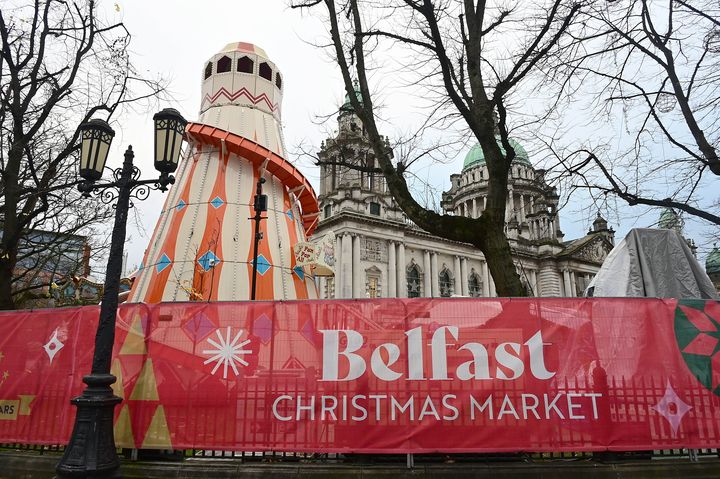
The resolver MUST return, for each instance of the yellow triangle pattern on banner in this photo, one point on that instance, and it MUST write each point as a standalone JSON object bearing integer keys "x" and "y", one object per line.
{"x": 118, "y": 386}
{"x": 135, "y": 340}
{"x": 123, "y": 429}
{"x": 146, "y": 386}
{"x": 158, "y": 434}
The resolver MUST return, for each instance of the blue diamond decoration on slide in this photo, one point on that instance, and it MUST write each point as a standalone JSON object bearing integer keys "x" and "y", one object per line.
{"x": 181, "y": 204}
{"x": 290, "y": 215}
{"x": 300, "y": 272}
{"x": 262, "y": 265}
{"x": 217, "y": 202}
{"x": 164, "y": 262}
{"x": 208, "y": 260}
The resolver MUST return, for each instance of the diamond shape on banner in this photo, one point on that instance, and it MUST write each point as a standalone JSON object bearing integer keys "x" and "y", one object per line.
{"x": 308, "y": 332}
{"x": 198, "y": 327}
{"x": 300, "y": 272}
{"x": 290, "y": 215}
{"x": 164, "y": 262}
{"x": 262, "y": 328}
{"x": 217, "y": 202}
{"x": 208, "y": 260}
{"x": 181, "y": 204}
{"x": 263, "y": 265}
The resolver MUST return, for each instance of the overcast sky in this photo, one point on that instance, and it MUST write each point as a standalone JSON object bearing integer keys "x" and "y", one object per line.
{"x": 173, "y": 39}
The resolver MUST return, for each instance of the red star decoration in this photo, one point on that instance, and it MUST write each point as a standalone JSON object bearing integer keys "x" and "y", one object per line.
{"x": 707, "y": 342}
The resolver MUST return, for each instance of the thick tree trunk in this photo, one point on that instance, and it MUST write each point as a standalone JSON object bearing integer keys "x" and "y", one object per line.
{"x": 7, "y": 266}
{"x": 495, "y": 247}
{"x": 10, "y": 226}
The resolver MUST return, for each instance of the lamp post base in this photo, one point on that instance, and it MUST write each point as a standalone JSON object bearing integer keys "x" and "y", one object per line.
{"x": 91, "y": 452}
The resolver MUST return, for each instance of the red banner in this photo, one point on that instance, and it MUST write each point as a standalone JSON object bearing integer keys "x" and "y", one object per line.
{"x": 419, "y": 375}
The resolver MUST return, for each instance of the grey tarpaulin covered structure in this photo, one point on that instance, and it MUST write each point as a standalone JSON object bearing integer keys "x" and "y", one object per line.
{"x": 653, "y": 263}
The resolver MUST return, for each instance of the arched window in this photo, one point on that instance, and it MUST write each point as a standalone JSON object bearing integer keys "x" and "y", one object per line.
{"x": 446, "y": 283}
{"x": 474, "y": 284}
{"x": 265, "y": 71}
{"x": 245, "y": 65}
{"x": 223, "y": 65}
{"x": 413, "y": 281}
{"x": 208, "y": 70}
{"x": 372, "y": 282}
{"x": 278, "y": 81}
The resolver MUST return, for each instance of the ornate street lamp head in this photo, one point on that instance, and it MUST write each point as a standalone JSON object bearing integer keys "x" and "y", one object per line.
{"x": 95, "y": 139}
{"x": 169, "y": 131}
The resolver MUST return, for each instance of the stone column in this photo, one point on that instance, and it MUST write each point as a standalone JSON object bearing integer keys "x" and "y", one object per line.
{"x": 458, "y": 275}
{"x": 533, "y": 282}
{"x": 493, "y": 292}
{"x": 427, "y": 276}
{"x": 522, "y": 208}
{"x": 511, "y": 197}
{"x": 357, "y": 279}
{"x": 573, "y": 283}
{"x": 566, "y": 283}
{"x": 475, "y": 211}
{"x": 486, "y": 280}
{"x": 339, "y": 266}
{"x": 401, "y": 276}
{"x": 392, "y": 271}
{"x": 435, "y": 275}
{"x": 464, "y": 277}
{"x": 347, "y": 273}
{"x": 484, "y": 203}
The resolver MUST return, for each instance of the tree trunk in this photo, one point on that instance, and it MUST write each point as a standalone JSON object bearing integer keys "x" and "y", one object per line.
{"x": 7, "y": 265}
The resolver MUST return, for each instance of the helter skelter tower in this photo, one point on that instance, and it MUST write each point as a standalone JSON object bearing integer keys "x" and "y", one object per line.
{"x": 202, "y": 247}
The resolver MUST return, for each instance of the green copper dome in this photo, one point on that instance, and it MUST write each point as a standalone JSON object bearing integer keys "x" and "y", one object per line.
{"x": 476, "y": 157}
{"x": 670, "y": 220}
{"x": 347, "y": 106}
{"x": 712, "y": 263}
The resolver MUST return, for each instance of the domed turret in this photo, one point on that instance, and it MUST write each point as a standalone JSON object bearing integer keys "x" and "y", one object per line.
{"x": 600, "y": 223}
{"x": 670, "y": 220}
{"x": 476, "y": 157}
{"x": 346, "y": 106}
{"x": 712, "y": 263}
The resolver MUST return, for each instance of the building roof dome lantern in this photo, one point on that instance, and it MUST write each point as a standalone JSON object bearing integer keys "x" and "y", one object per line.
{"x": 670, "y": 220}
{"x": 476, "y": 157}
{"x": 600, "y": 223}
{"x": 346, "y": 106}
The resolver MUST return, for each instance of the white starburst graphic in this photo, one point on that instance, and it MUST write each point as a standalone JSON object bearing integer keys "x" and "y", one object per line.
{"x": 53, "y": 346}
{"x": 226, "y": 352}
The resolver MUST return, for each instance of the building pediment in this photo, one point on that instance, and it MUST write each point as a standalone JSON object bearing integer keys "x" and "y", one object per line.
{"x": 593, "y": 248}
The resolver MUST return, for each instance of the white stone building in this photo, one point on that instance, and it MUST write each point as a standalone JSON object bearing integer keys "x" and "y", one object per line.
{"x": 380, "y": 253}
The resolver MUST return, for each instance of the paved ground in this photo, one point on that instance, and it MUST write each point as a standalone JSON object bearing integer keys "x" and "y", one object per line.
{"x": 29, "y": 465}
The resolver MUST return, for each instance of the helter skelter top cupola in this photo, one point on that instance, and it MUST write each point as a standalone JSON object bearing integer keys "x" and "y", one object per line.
{"x": 202, "y": 245}
{"x": 242, "y": 92}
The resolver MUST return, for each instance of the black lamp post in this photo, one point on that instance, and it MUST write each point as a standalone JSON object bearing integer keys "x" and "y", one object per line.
{"x": 259, "y": 205}
{"x": 91, "y": 452}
